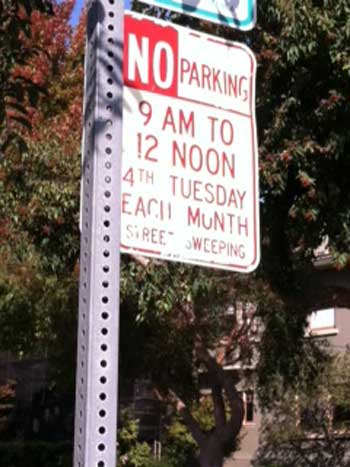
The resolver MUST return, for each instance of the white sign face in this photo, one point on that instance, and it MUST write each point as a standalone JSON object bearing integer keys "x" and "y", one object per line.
{"x": 189, "y": 167}
{"x": 239, "y": 14}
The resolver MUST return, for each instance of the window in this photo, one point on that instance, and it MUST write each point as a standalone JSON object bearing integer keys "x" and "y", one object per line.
{"x": 248, "y": 401}
{"x": 249, "y": 407}
{"x": 341, "y": 417}
{"x": 322, "y": 322}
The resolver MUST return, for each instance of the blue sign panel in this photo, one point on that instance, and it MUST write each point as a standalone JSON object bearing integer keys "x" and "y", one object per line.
{"x": 239, "y": 14}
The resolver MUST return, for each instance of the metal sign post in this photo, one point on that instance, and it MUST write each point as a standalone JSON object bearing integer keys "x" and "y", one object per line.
{"x": 97, "y": 356}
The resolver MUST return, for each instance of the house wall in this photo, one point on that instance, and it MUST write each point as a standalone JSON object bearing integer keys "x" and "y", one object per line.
{"x": 340, "y": 340}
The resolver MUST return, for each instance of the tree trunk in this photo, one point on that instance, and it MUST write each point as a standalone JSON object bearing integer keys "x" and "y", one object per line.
{"x": 211, "y": 453}
{"x": 213, "y": 446}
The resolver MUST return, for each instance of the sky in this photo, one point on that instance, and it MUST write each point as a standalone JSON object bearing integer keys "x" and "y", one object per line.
{"x": 77, "y": 9}
{"x": 76, "y": 12}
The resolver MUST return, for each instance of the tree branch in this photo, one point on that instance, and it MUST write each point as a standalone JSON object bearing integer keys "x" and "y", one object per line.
{"x": 225, "y": 381}
{"x": 195, "y": 430}
{"x": 235, "y": 335}
{"x": 219, "y": 405}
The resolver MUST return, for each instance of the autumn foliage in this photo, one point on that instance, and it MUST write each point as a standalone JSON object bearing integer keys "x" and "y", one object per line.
{"x": 59, "y": 70}
{"x": 39, "y": 182}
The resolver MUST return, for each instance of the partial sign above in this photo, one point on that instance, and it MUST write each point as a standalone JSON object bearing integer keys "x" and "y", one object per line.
{"x": 190, "y": 163}
{"x": 239, "y": 14}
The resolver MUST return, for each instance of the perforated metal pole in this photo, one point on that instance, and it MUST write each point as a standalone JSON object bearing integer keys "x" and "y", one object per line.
{"x": 98, "y": 330}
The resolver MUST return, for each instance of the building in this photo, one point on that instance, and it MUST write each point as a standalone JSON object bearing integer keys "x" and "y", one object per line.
{"x": 332, "y": 324}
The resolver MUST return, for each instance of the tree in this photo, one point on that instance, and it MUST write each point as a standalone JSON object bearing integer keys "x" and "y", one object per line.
{"x": 302, "y": 108}
{"x": 184, "y": 331}
{"x": 16, "y": 90}
{"x": 60, "y": 72}
{"x": 309, "y": 426}
{"x": 39, "y": 207}
{"x": 302, "y": 102}
{"x": 302, "y": 105}
{"x": 39, "y": 246}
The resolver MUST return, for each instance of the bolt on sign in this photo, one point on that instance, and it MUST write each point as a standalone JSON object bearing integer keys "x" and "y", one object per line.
{"x": 238, "y": 14}
{"x": 190, "y": 162}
